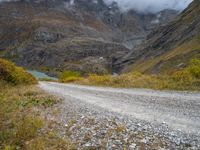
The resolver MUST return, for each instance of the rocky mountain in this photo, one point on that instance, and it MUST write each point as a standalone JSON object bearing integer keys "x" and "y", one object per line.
{"x": 168, "y": 48}
{"x": 82, "y": 35}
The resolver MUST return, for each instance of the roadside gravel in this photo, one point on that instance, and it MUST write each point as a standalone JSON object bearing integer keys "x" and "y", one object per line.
{"x": 107, "y": 118}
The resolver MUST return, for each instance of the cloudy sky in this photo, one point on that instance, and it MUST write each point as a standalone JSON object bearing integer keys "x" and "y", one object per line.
{"x": 151, "y": 5}
{"x": 147, "y": 5}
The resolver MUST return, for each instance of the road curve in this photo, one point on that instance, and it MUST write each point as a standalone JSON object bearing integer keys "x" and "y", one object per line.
{"x": 179, "y": 110}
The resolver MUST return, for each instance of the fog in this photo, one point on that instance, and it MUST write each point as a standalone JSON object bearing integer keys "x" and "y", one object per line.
{"x": 152, "y": 6}
{"x": 146, "y": 6}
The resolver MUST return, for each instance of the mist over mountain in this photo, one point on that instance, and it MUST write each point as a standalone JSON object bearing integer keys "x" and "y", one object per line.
{"x": 142, "y": 6}
{"x": 152, "y": 6}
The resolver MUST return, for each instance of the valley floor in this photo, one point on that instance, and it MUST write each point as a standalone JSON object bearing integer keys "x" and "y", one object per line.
{"x": 99, "y": 117}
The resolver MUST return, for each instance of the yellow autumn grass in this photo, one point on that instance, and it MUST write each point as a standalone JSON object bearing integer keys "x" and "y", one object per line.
{"x": 185, "y": 79}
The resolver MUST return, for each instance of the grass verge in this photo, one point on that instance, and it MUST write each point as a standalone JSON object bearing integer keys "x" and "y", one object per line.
{"x": 185, "y": 79}
{"x": 21, "y": 126}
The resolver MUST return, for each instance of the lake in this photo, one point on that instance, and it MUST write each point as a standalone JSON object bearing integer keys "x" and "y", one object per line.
{"x": 40, "y": 75}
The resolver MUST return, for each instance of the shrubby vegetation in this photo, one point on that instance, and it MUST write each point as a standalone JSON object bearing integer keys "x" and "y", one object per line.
{"x": 14, "y": 75}
{"x": 185, "y": 79}
{"x": 70, "y": 76}
{"x": 194, "y": 68}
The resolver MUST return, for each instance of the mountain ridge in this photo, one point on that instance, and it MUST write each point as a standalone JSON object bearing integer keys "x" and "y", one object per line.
{"x": 169, "y": 47}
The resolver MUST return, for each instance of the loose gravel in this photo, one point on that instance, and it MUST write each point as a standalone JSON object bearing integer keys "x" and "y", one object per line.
{"x": 107, "y": 118}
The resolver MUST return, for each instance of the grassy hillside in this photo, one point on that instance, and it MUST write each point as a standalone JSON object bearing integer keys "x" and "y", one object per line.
{"x": 174, "y": 59}
{"x": 187, "y": 27}
{"x": 183, "y": 43}
{"x": 169, "y": 47}
{"x": 184, "y": 79}
{"x": 12, "y": 74}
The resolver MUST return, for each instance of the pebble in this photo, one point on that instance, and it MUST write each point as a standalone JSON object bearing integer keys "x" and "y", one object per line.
{"x": 144, "y": 141}
{"x": 87, "y": 145}
{"x": 132, "y": 146}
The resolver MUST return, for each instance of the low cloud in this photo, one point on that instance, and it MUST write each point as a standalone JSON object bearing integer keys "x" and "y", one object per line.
{"x": 144, "y": 6}
{"x": 152, "y": 6}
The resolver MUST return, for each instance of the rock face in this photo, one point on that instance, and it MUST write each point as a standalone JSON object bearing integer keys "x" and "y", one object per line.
{"x": 72, "y": 54}
{"x": 80, "y": 35}
{"x": 169, "y": 47}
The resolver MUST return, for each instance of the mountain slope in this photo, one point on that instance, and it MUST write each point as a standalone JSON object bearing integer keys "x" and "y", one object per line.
{"x": 170, "y": 47}
{"x": 86, "y": 36}
{"x": 36, "y": 35}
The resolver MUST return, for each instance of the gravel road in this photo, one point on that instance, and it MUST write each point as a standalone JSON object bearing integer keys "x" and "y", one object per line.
{"x": 178, "y": 111}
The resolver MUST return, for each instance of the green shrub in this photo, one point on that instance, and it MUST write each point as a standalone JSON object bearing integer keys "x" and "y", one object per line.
{"x": 194, "y": 68}
{"x": 188, "y": 77}
{"x": 183, "y": 76}
{"x": 14, "y": 75}
{"x": 70, "y": 76}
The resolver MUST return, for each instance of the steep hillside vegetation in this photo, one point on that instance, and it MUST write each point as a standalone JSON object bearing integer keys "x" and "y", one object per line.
{"x": 9, "y": 73}
{"x": 170, "y": 47}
